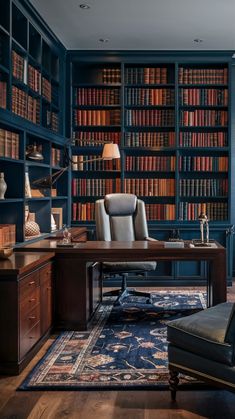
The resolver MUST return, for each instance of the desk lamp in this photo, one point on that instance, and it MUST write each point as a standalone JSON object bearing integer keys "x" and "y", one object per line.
{"x": 110, "y": 151}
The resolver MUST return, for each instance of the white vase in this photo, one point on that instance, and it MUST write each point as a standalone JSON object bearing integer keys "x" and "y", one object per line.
{"x": 3, "y": 186}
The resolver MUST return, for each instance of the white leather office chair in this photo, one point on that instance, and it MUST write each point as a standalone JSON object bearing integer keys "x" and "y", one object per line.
{"x": 121, "y": 217}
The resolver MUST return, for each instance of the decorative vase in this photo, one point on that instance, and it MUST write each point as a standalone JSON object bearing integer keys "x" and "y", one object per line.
{"x": 3, "y": 186}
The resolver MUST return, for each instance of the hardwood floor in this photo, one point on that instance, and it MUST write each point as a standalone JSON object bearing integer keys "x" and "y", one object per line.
{"x": 14, "y": 404}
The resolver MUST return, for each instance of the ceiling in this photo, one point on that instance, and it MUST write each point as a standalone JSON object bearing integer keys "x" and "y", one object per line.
{"x": 141, "y": 24}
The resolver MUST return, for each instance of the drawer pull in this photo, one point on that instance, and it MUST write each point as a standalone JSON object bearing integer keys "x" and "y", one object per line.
{"x": 32, "y": 282}
{"x": 32, "y": 317}
{"x": 31, "y": 337}
{"x": 31, "y": 300}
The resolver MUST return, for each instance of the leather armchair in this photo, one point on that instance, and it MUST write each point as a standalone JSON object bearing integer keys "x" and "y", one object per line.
{"x": 203, "y": 345}
{"x": 121, "y": 217}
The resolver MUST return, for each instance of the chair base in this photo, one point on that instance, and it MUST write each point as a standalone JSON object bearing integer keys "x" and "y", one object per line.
{"x": 123, "y": 294}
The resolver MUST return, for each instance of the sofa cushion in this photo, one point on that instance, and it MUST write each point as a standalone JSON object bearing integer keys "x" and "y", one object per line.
{"x": 230, "y": 331}
{"x": 203, "y": 333}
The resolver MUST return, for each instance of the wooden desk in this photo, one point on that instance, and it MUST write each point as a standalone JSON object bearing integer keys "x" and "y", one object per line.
{"x": 72, "y": 282}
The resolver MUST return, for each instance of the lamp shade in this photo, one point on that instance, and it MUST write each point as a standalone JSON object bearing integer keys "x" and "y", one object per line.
{"x": 110, "y": 151}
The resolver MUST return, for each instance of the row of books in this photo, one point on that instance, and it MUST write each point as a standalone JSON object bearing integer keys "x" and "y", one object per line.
{"x": 96, "y": 97}
{"x": 9, "y": 144}
{"x": 111, "y": 75}
{"x": 25, "y": 105}
{"x": 95, "y": 187}
{"x": 19, "y": 66}
{"x": 203, "y": 187}
{"x": 97, "y": 117}
{"x": 202, "y": 117}
{"x": 150, "y": 163}
{"x": 55, "y": 156}
{"x": 83, "y": 211}
{"x": 146, "y": 75}
{"x": 46, "y": 89}
{"x": 162, "y": 212}
{"x": 150, "y": 187}
{"x": 150, "y": 139}
{"x": 86, "y": 211}
{"x": 215, "y": 211}
{"x": 203, "y": 163}
{"x": 203, "y": 75}
{"x": 204, "y": 97}
{"x": 82, "y": 163}
{"x": 91, "y": 139}
{"x": 203, "y": 139}
{"x": 149, "y": 97}
{"x": 3, "y": 94}
{"x": 34, "y": 79}
{"x": 7, "y": 235}
{"x": 52, "y": 120}
{"x": 153, "y": 117}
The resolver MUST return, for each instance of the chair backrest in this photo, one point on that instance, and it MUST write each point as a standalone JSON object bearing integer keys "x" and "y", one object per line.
{"x": 120, "y": 217}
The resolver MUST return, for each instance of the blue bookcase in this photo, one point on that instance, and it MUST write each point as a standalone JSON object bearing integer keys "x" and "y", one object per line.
{"x": 174, "y": 132}
{"x": 32, "y": 69}
{"x": 170, "y": 112}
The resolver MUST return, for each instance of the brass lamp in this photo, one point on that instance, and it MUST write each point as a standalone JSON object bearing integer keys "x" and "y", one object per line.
{"x": 33, "y": 153}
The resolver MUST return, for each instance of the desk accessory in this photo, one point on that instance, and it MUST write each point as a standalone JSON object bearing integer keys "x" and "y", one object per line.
{"x": 6, "y": 252}
{"x": 174, "y": 245}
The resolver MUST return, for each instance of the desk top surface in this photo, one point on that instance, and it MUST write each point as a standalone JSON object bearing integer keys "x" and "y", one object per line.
{"x": 119, "y": 248}
{"x": 21, "y": 262}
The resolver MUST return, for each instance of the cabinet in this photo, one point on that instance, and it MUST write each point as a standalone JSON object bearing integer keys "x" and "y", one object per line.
{"x": 174, "y": 135}
{"x": 31, "y": 113}
{"x": 26, "y": 308}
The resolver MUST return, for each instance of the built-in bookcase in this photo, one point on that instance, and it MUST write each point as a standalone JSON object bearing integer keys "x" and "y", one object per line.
{"x": 32, "y": 113}
{"x": 173, "y": 123}
{"x": 30, "y": 85}
{"x": 174, "y": 134}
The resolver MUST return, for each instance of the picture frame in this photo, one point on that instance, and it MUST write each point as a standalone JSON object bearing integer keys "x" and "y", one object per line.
{"x": 58, "y": 217}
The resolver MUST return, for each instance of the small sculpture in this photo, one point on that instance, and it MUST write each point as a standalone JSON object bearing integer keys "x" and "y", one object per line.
{"x": 204, "y": 222}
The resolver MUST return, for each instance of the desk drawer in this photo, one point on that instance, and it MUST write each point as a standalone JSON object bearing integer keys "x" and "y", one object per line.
{"x": 31, "y": 300}
{"x": 29, "y": 319}
{"x": 29, "y": 284}
{"x": 29, "y": 340}
{"x": 46, "y": 273}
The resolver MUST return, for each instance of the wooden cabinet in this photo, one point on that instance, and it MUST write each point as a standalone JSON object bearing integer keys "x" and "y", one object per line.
{"x": 26, "y": 308}
{"x": 46, "y": 298}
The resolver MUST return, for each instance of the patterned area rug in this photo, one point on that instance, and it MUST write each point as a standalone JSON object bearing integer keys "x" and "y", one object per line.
{"x": 125, "y": 348}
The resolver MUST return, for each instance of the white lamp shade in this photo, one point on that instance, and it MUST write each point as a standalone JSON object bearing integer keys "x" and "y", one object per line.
{"x": 110, "y": 151}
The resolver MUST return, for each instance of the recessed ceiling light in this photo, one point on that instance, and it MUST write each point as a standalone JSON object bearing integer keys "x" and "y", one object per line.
{"x": 84, "y": 6}
{"x": 103, "y": 40}
{"x": 198, "y": 40}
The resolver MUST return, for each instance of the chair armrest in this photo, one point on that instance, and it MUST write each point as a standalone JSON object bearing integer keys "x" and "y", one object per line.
{"x": 151, "y": 239}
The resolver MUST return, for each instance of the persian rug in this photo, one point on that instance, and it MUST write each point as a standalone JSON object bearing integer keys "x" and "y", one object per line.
{"x": 125, "y": 348}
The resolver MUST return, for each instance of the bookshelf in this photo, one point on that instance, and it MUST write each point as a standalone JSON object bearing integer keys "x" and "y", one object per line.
{"x": 30, "y": 69}
{"x": 96, "y": 111}
{"x": 32, "y": 113}
{"x": 174, "y": 135}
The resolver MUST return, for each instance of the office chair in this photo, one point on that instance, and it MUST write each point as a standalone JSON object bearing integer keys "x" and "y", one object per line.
{"x": 121, "y": 217}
